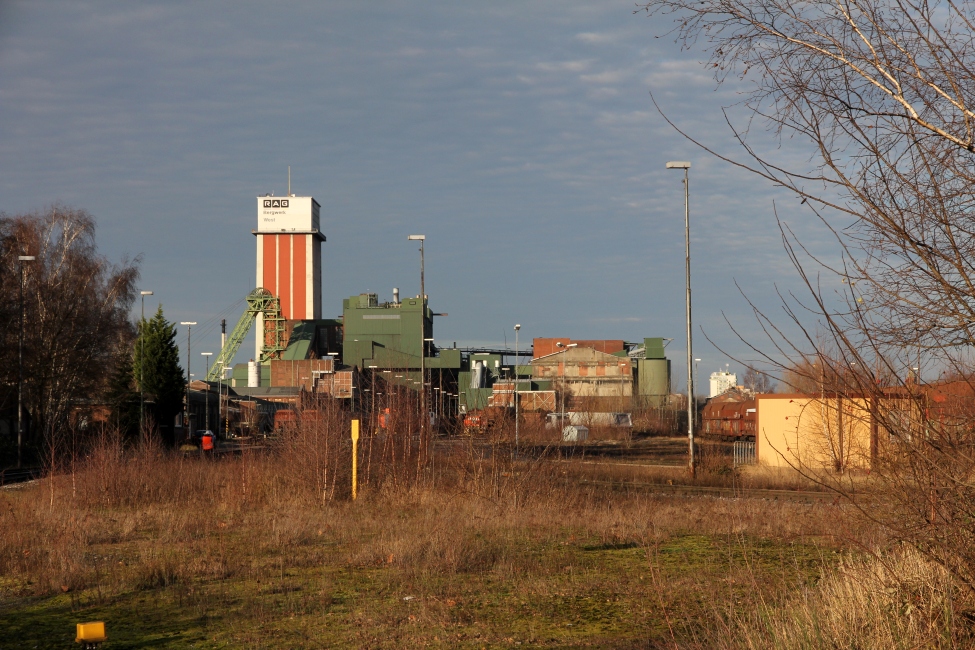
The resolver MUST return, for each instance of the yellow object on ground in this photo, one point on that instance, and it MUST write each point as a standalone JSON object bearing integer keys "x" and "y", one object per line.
{"x": 355, "y": 455}
{"x": 91, "y": 633}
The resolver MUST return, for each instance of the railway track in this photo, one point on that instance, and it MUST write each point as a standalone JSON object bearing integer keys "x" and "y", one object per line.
{"x": 22, "y": 475}
{"x": 806, "y": 496}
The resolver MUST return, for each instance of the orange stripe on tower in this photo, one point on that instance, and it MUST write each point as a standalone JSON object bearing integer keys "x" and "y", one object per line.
{"x": 300, "y": 277}
{"x": 284, "y": 274}
{"x": 270, "y": 268}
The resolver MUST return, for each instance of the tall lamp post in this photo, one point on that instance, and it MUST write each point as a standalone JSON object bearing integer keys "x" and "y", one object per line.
{"x": 208, "y": 355}
{"x": 517, "y": 409}
{"x": 697, "y": 375}
{"x": 186, "y": 421}
{"x": 423, "y": 342}
{"x": 20, "y": 363}
{"x": 687, "y": 270}
{"x": 427, "y": 343}
{"x": 565, "y": 389}
{"x": 372, "y": 396}
{"x": 220, "y": 399}
{"x": 142, "y": 358}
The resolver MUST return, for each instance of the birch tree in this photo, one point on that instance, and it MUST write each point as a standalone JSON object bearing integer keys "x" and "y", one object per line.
{"x": 76, "y": 306}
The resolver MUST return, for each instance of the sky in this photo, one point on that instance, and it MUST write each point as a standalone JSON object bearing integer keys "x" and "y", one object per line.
{"x": 519, "y": 137}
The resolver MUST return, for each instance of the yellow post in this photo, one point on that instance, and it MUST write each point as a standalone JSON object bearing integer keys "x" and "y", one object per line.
{"x": 355, "y": 455}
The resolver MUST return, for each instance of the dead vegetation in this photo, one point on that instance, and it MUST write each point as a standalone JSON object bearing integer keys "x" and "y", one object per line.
{"x": 267, "y": 550}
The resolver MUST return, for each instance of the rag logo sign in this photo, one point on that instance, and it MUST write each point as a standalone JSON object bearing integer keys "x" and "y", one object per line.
{"x": 275, "y": 203}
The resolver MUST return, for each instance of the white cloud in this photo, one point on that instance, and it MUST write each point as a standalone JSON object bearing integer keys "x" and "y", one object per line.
{"x": 516, "y": 137}
{"x": 598, "y": 38}
{"x": 603, "y": 93}
{"x": 631, "y": 118}
{"x": 564, "y": 66}
{"x": 606, "y": 77}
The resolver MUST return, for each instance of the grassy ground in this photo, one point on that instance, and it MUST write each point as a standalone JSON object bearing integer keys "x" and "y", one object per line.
{"x": 579, "y": 594}
{"x": 260, "y": 552}
{"x": 537, "y": 585}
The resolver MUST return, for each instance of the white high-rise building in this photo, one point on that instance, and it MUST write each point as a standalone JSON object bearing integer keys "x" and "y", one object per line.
{"x": 722, "y": 381}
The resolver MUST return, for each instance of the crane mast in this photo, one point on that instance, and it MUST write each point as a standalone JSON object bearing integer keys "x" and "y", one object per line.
{"x": 259, "y": 301}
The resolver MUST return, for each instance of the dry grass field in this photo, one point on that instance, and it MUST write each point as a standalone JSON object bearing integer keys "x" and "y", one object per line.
{"x": 266, "y": 550}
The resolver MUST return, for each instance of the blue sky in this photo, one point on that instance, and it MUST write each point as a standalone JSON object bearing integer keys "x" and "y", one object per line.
{"x": 518, "y": 136}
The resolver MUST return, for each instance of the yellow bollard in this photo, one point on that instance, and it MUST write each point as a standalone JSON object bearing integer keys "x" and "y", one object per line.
{"x": 355, "y": 455}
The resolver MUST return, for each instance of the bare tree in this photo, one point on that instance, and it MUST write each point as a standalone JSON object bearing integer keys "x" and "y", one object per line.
{"x": 757, "y": 381}
{"x": 76, "y": 307}
{"x": 883, "y": 95}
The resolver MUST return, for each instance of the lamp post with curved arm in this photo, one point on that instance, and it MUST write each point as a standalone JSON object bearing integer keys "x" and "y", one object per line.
{"x": 517, "y": 329}
{"x": 687, "y": 269}
{"x": 186, "y": 423}
{"x": 565, "y": 389}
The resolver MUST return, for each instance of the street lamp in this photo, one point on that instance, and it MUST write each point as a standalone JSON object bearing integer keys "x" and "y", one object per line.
{"x": 565, "y": 390}
{"x": 423, "y": 344}
{"x": 687, "y": 269}
{"x": 223, "y": 371}
{"x": 622, "y": 366}
{"x": 208, "y": 355}
{"x": 20, "y": 362}
{"x": 142, "y": 358}
{"x": 189, "y": 328}
{"x": 697, "y": 375}
{"x": 517, "y": 329}
{"x": 372, "y": 397}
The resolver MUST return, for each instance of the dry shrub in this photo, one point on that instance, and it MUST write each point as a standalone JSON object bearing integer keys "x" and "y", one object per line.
{"x": 712, "y": 459}
{"x": 159, "y": 568}
{"x": 659, "y": 422}
{"x": 894, "y": 600}
{"x": 316, "y": 452}
{"x": 144, "y": 519}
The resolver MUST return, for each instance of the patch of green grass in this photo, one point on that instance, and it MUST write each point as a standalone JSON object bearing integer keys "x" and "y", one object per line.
{"x": 563, "y": 591}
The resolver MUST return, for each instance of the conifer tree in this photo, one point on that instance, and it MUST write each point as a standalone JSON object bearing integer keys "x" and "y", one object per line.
{"x": 123, "y": 397}
{"x": 156, "y": 364}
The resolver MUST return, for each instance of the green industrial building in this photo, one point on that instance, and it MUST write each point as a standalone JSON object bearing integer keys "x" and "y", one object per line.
{"x": 387, "y": 336}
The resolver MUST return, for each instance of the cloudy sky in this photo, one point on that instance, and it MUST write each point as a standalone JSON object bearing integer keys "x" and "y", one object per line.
{"x": 518, "y": 136}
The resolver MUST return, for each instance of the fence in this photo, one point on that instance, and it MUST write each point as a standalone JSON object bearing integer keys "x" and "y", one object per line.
{"x": 744, "y": 452}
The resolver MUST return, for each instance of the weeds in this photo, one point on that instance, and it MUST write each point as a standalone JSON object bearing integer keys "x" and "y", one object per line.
{"x": 265, "y": 549}
{"x": 892, "y": 600}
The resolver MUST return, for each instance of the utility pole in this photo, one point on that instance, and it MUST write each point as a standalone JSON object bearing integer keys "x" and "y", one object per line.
{"x": 565, "y": 388}
{"x": 517, "y": 406}
{"x": 223, "y": 368}
{"x": 208, "y": 355}
{"x": 697, "y": 376}
{"x": 424, "y": 425}
{"x": 690, "y": 356}
{"x": 142, "y": 359}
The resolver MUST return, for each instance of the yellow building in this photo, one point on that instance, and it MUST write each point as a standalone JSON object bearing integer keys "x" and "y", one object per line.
{"x": 815, "y": 432}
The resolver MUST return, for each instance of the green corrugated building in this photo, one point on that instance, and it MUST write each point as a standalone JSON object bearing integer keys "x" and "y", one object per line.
{"x": 387, "y": 335}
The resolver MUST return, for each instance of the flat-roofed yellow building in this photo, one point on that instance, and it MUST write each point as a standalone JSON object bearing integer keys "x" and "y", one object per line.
{"x": 815, "y": 431}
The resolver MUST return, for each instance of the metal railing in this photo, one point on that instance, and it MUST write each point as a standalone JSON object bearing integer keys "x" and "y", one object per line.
{"x": 744, "y": 452}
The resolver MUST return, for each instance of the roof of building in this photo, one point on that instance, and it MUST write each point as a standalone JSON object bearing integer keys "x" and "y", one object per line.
{"x": 580, "y": 353}
{"x": 268, "y": 391}
{"x": 302, "y": 337}
{"x": 545, "y": 347}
